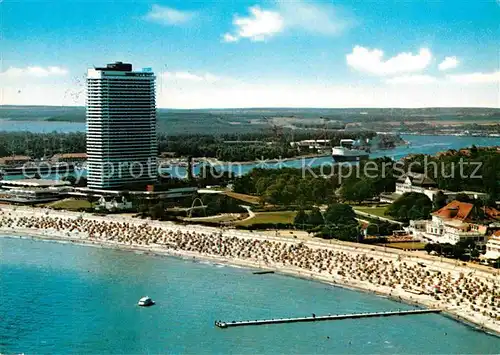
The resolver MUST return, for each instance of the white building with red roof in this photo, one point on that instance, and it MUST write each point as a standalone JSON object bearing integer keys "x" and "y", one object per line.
{"x": 455, "y": 222}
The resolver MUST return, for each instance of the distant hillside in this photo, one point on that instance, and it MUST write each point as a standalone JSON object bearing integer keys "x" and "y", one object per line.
{"x": 208, "y": 121}
{"x": 43, "y": 113}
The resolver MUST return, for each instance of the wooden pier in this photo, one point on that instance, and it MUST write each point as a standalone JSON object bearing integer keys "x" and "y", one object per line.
{"x": 315, "y": 318}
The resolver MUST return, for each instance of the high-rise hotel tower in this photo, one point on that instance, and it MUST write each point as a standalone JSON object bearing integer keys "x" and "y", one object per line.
{"x": 121, "y": 127}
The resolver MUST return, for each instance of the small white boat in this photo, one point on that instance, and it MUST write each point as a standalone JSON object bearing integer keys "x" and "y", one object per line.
{"x": 146, "y": 302}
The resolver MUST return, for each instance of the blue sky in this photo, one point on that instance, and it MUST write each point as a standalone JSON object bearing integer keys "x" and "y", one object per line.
{"x": 258, "y": 53}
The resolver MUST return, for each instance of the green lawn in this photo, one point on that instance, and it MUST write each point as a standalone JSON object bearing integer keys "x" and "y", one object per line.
{"x": 253, "y": 200}
{"x": 377, "y": 211}
{"x": 270, "y": 217}
{"x": 70, "y": 204}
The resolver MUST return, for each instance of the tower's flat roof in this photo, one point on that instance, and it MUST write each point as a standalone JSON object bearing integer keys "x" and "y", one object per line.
{"x": 117, "y": 66}
{"x": 99, "y": 73}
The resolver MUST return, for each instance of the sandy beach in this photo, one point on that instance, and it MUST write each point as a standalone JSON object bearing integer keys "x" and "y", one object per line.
{"x": 470, "y": 295}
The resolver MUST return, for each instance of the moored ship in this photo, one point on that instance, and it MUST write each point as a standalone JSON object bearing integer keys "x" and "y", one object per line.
{"x": 347, "y": 152}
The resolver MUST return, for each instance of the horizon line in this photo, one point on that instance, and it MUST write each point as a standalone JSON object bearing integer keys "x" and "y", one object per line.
{"x": 287, "y": 107}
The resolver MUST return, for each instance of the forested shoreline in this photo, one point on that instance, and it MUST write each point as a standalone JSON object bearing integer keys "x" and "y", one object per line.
{"x": 470, "y": 170}
{"x": 225, "y": 147}
{"x": 475, "y": 169}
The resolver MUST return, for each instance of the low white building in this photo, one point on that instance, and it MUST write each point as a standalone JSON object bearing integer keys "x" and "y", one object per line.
{"x": 440, "y": 230}
{"x": 493, "y": 247}
{"x": 417, "y": 227}
{"x": 318, "y": 144}
{"x": 31, "y": 191}
{"x": 473, "y": 195}
{"x": 453, "y": 223}
{"x": 114, "y": 203}
{"x": 416, "y": 182}
{"x": 411, "y": 182}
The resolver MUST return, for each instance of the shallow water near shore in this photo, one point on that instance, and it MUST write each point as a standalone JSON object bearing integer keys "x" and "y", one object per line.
{"x": 62, "y": 298}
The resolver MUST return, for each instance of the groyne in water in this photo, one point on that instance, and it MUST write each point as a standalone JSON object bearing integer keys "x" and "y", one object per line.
{"x": 315, "y": 318}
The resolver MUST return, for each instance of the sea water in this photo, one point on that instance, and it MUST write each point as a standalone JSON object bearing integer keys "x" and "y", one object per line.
{"x": 62, "y": 299}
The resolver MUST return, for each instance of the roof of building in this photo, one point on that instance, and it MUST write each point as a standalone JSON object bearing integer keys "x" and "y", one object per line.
{"x": 317, "y": 141}
{"x": 492, "y": 212}
{"x": 466, "y": 192}
{"x": 417, "y": 179}
{"x": 463, "y": 211}
{"x": 15, "y": 158}
{"x": 178, "y": 190}
{"x": 35, "y": 183}
{"x": 167, "y": 154}
{"x": 393, "y": 196}
{"x": 70, "y": 156}
{"x": 28, "y": 200}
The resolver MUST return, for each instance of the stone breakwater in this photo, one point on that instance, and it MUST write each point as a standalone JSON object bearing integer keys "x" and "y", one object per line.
{"x": 470, "y": 296}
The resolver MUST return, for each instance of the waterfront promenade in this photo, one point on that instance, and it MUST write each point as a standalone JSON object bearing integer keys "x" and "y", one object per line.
{"x": 468, "y": 294}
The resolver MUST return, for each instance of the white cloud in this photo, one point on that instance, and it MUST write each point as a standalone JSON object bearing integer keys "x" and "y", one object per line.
{"x": 314, "y": 18}
{"x": 57, "y": 71}
{"x": 261, "y": 24}
{"x": 372, "y": 61}
{"x": 412, "y": 79}
{"x": 258, "y": 26}
{"x": 188, "y": 89}
{"x": 189, "y": 76}
{"x": 448, "y": 63}
{"x": 457, "y": 79}
{"x": 315, "y": 95}
{"x": 39, "y": 92}
{"x": 236, "y": 94}
{"x": 475, "y": 78}
{"x": 35, "y": 71}
{"x": 168, "y": 16}
{"x": 230, "y": 38}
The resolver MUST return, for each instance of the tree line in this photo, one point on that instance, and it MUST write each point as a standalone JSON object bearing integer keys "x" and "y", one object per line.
{"x": 338, "y": 221}
{"x": 316, "y": 185}
{"x": 39, "y": 145}
{"x": 268, "y": 145}
{"x": 464, "y": 250}
{"x": 473, "y": 169}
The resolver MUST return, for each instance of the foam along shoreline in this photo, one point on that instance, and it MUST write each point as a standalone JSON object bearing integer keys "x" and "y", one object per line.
{"x": 376, "y": 274}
